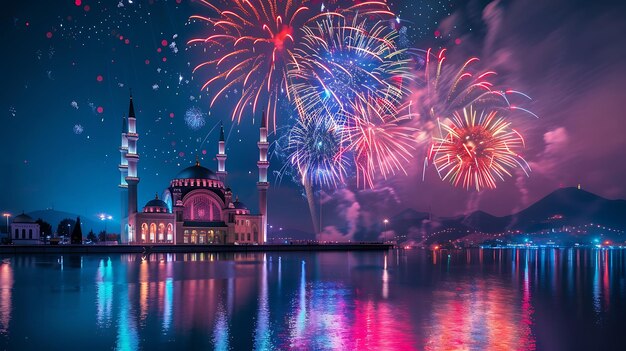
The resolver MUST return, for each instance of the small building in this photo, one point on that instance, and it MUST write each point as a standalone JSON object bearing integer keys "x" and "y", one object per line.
{"x": 24, "y": 230}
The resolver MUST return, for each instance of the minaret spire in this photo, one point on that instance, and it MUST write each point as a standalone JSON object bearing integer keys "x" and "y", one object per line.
{"x": 131, "y": 107}
{"x": 123, "y": 186}
{"x": 132, "y": 179}
{"x": 221, "y": 156}
{"x": 262, "y": 185}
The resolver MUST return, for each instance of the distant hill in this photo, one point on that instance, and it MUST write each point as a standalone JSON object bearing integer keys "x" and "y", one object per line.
{"x": 570, "y": 206}
{"x": 563, "y": 207}
{"x": 54, "y": 217}
{"x": 485, "y": 222}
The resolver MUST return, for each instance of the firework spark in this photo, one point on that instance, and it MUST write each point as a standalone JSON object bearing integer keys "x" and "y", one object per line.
{"x": 476, "y": 150}
{"x": 253, "y": 42}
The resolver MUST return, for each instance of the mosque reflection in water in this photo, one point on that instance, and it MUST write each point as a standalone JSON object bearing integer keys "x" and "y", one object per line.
{"x": 402, "y": 300}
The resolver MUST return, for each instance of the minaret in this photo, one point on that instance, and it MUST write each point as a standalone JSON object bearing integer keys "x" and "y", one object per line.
{"x": 123, "y": 167}
{"x": 221, "y": 156}
{"x": 132, "y": 179}
{"x": 262, "y": 185}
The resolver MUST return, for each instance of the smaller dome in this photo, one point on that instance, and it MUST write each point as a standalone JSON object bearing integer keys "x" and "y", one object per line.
{"x": 239, "y": 205}
{"x": 23, "y": 218}
{"x": 156, "y": 202}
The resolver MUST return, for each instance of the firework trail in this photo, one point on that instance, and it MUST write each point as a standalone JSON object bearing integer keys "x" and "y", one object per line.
{"x": 312, "y": 152}
{"x": 477, "y": 150}
{"x": 377, "y": 136}
{"x": 253, "y": 41}
{"x": 341, "y": 60}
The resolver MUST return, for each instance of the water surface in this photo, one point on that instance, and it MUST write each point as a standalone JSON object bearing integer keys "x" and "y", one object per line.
{"x": 535, "y": 299}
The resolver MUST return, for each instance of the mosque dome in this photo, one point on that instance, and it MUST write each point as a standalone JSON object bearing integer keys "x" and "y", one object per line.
{"x": 197, "y": 172}
{"x": 240, "y": 205}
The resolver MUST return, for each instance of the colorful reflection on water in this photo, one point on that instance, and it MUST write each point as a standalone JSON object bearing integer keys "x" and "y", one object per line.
{"x": 514, "y": 299}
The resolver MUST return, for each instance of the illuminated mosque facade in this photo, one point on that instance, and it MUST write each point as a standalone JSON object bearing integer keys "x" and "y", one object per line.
{"x": 197, "y": 208}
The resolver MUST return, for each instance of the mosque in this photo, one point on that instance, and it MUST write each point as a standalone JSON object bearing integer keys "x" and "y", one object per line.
{"x": 197, "y": 208}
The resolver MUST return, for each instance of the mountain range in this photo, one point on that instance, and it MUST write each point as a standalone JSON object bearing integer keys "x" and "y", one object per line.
{"x": 565, "y": 207}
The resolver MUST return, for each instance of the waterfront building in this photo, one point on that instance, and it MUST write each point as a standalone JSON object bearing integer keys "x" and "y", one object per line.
{"x": 197, "y": 207}
{"x": 25, "y": 230}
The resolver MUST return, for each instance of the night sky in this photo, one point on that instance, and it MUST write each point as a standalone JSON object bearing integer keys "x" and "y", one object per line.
{"x": 68, "y": 67}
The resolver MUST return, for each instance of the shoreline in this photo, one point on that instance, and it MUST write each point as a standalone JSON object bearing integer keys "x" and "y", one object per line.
{"x": 122, "y": 249}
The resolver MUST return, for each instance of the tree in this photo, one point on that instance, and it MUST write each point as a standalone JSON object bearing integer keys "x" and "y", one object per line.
{"x": 44, "y": 227}
{"x": 92, "y": 236}
{"x": 63, "y": 229}
{"x": 102, "y": 236}
{"x": 77, "y": 233}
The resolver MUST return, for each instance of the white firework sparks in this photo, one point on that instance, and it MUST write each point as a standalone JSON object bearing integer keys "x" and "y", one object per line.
{"x": 78, "y": 129}
{"x": 195, "y": 118}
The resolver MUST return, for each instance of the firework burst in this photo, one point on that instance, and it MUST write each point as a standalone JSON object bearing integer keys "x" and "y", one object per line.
{"x": 195, "y": 118}
{"x": 379, "y": 139}
{"x": 252, "y": 42}
{"x": 341, "y": 60}
{"x": 313, "y": 149}
{"x": 477, "y": 150}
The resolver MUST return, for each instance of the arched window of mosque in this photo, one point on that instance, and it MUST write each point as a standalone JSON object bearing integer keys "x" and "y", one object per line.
{"x": 161, "y": 231}
{"x": 152, "y": 231}
{"x": 30, "y": 233}
{"x": 170, "y": 232}
{"x": 24, "y": 233}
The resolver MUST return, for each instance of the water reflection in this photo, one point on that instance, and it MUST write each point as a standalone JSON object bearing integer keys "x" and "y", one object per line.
{"x": 523, "y": 299}
{"x": 104, "y": 293}
{"x": 262, "y": 332}
{"x": 6, "y": 290}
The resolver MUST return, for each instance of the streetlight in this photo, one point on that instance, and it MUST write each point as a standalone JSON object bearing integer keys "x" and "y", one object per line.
{"x": 105, "y": 217}
{"x": 385, "y": 221}
{"x": 7, "y": 215}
